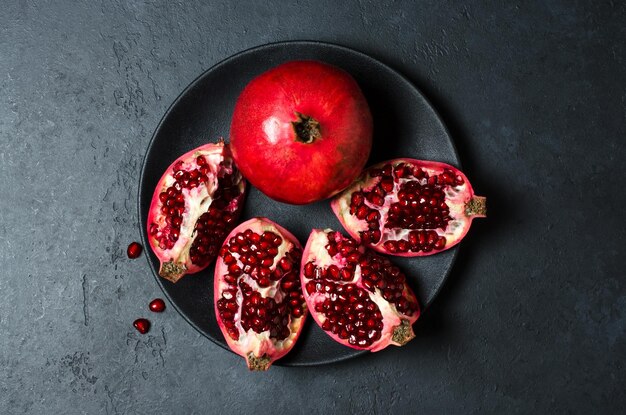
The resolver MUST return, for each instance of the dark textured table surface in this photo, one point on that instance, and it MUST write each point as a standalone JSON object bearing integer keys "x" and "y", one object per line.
{"x": 533, "y": 317}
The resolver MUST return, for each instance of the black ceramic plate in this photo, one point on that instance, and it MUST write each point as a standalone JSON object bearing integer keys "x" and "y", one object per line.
{"x": 405, "y": 125}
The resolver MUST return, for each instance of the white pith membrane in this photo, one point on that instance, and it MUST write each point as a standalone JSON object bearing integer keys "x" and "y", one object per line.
{"x": 316, "y": 252}
{"x": 197, "y": 201}
{"x": 456, "y": 199}
{"x": 259, "y": 344}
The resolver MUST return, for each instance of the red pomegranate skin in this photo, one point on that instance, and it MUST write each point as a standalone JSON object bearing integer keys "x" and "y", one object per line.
{"x": 274, "y": 157}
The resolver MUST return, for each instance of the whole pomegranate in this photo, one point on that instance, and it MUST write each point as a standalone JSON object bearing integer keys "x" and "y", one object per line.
{"x": 194, "y": 206}
{"x": 409, "y": 207}
{"x": 258, "y": 301}
{"x": 355, "y": 295}
{"x": 301, "y": 132}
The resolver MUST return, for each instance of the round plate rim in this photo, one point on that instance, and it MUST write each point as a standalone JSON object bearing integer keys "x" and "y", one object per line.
{"x": 191, "y": 85}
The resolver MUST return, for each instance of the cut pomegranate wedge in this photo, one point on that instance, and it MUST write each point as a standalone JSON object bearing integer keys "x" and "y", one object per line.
{"x": 409, "y": 207}
{"x": 195, "y": 204}
{"x": 258, "y": 301}
{"x": 358, "y": 297}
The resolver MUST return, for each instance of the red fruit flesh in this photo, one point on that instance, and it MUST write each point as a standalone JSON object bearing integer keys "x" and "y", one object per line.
{"x": 301, "y": 132}
{"x": 195, "y": 204}
{"x": 356, "y": 296}
{"x": 134, "y": 250}
{"x": 409, "y": 207}
{"x": 258, "y": 301}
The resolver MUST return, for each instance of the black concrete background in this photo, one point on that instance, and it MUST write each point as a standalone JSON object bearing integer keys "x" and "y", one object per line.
{"x": 533, "y": 318}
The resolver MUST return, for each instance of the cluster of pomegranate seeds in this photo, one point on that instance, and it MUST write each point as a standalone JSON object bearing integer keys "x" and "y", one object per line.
{"x": 227, "y": 308}
{"x": 349, "y": 311}
{"x": 134, "y": 250}
{"x": 350, "y": 314}
{"x": 421, "y": 205}
{"x": 143, "y": 324}
{"x": 211, "y": 227}
{"x": 262, "y": 314}
{"x": 251, "y": 254}
{"x": 424, "y": 241}
{"x": 173, "y": 201}
{"x": 256, "y": 255}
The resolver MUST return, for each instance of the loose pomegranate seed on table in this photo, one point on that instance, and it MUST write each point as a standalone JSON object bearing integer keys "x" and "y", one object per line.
{"x": 157, "y": 305}
{"x": 134, "y": 250}
{"x": 142, "y": 325}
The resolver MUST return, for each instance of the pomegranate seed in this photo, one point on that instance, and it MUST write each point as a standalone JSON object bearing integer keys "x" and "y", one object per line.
{"x": 265, "y": 272}
{"x": 157, "y": 305}
{"x": 134, "y": 250}
{"x": 346, "y": 274}
{"x": 362, "y": 212}
{"x": 386, "y": 171}
{"x": 229, "y": 259}
{"x": 285, "y": 264}
{"x": 357, "y": 199}
{"x": 142, "y": 325}
{"x": 333, "y": 272}
{"x": 402, "y": 246}
{"x": 431, "y": 238}
{"x": 387, "y": 185}
{"x": 309, "y": 270}
{"x": 234, "y": 269}
{"x": 390, "y": 246}
{"x": 230, "y": 279}
{"x": 373, "y": 216}
{"x": 441, "y": 243}
{"x": 421, "y": 238}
